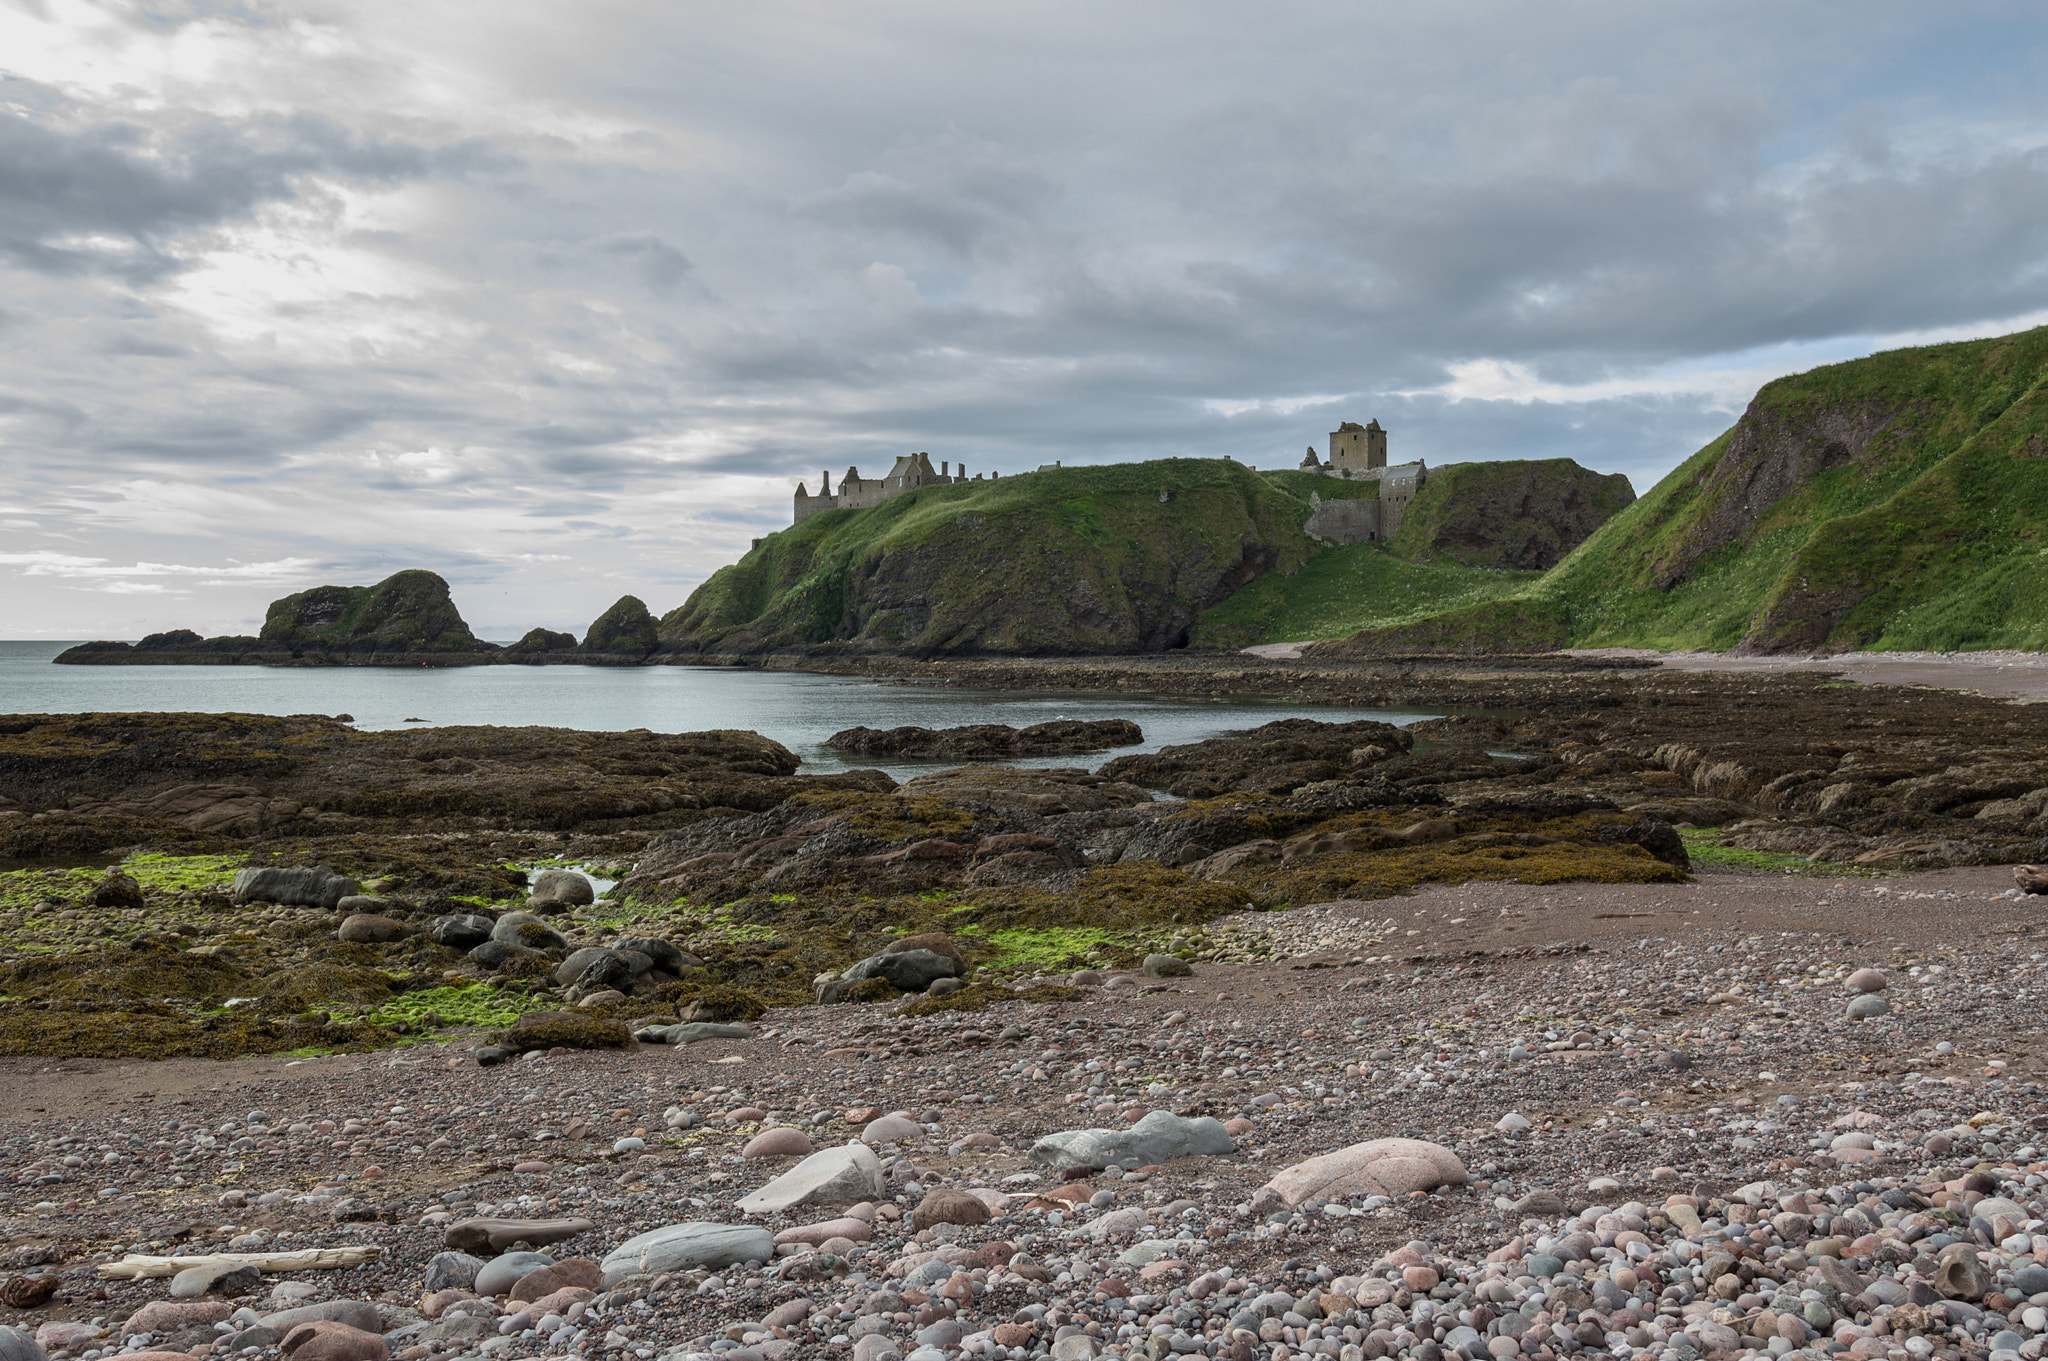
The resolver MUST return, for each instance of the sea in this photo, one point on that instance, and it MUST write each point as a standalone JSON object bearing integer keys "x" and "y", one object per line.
{"x": 797, "y": 709}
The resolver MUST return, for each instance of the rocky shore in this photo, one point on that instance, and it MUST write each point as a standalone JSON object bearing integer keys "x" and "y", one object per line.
{"x": 1748, "y": 1115}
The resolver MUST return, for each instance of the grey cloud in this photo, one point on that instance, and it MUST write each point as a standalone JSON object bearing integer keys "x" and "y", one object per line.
{"x": 799, "y": 242}
{"x": 658, "y": 264}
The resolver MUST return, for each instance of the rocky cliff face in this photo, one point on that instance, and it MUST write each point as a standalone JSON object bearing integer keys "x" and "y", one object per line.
{"x": 624, "y": 630}
{"x": 1524, "y": 514}
{"x": 406, "y": 612}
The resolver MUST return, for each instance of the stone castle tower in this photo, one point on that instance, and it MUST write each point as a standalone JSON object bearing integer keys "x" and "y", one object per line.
{"x": 1358, "y": 447}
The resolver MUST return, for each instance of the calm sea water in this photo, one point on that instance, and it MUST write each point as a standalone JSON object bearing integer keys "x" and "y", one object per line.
{"x": 796, "y": 709}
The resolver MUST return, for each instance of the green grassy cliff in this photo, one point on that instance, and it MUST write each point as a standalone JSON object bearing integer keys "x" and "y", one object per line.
{"x": 1893, "y": 502}
{"x": 1121, "y": 558}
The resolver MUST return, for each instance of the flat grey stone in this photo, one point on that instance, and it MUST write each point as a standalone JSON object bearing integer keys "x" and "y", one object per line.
{"x": 354, "y": 1313}
{"x": 1157, "y": 1138}
{"x": 691, "y": 1032}
{"x": 845, "y": 1175}
{"x": 500, "y": 1274}
{"x": 678, "y": 1247}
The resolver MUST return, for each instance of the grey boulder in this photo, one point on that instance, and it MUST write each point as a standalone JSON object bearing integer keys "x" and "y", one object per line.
{"x": 524, "y": 928}
{"x": 906, "y": 971}
{"x": 315, "y": 887}
{"x": 560, "y": 888}
{"x": 1158, "y": 1137}
{"x": 452, "y": 1271}
{"x": 496, "y": 954}
{"x": 845, "y": 1175}
{"x": 500, "y": 1274}
{"x": 460, "y": 930}
{"x": 666, "y": 957}
{"x": 354, "y": 1313}
{"x": 679, "y": 1247}
{"x": 16, "y": 1344}
{"x": 1166, "y": 966}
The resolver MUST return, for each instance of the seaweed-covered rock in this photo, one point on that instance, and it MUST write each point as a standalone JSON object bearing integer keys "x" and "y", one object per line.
{"x": 1660, "y": 839}
{"x": 370, "y": 928}
{"x": 116, "y": 889}
{"x": 1275, "y": 758}
{"x": 565, "y": 1030}
{"x": 318, "y": 886}
{"x": 1032, "y": 792}
{"x": 990, "y": 741}
{"x": 525, "y": 928}
{"x": 501, "y": 954}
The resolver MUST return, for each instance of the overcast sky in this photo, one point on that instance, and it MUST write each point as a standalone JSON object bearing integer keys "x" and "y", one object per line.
{"x": 562, "y": 300}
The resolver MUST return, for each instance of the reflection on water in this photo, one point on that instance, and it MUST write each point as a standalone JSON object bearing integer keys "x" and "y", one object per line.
{"x": 796, "y": 709}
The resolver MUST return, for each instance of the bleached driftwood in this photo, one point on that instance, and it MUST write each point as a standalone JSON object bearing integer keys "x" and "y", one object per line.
{"x": 135, "y": 1267}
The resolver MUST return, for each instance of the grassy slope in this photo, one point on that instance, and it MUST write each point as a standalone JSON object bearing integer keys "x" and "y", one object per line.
{"x": 1343, "y": 590}
{"x": 979, "y": 541}
{"x": 1932, "y": 538}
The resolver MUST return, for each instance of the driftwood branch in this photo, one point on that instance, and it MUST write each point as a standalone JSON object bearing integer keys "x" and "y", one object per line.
{"x": 139, "y": 1268}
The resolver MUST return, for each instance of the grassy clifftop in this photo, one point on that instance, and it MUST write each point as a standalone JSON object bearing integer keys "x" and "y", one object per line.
{"x": 1121, "y": 558}
{"x": 1898, "y": 502}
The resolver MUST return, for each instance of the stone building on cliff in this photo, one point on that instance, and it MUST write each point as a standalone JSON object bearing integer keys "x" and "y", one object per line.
{"x": 1359, "y": 452}
{"x": 856, "y": 492}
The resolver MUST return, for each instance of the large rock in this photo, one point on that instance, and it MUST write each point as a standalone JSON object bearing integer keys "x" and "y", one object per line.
{"x": 316, "y": 887}
{"x": 17, "y": 1345}
{"x": 1010, "y": 790}
{"x": 679, "y": 1247}
{"x": 692, "y": 1032}
{"x": 117, "y": 889}
{"x": 906, "y": 970}
{"x": 990, "y": 741}
{"x": 500, "y": 1274}
{"x": 2031, "y": 878}
{"x": 946, "y": 1205}
{"x": 460, "y": 930}
{"x": 845, "y": 1175}
{"x": 324, "y": 1340}
{"x": 1158, "y": 1137}
{"x": 496, "y": 954}
{"x": 368, "y": 928}
{"x": 1377, "y": 1167}
{"x": 666, "y": 957}
{"x": 561, "y": 888}
{"x": 526, "y": 928}
{"x": 451, "y": 1271}
{"x": 627, "y": 629}
{"x": 496, "y": 1235}
{"x": 168, "y": 1316}
{"x": 355, "y": 1313}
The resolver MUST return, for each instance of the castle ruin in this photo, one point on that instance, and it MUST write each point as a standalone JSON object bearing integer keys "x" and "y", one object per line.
{"x": 911, "y": 472}
{"x": 1359, "y": 452}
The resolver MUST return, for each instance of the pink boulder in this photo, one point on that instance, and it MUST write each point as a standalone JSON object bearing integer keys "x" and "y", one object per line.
{"x": 1377, "y": 1167}
{"x": 858, "y": 1230}
{"x": 779, "y": 1142}
{"x": 578, "y": 1273}
{"x": 326, "y": 1340}
{"x": 168, "y": 1316}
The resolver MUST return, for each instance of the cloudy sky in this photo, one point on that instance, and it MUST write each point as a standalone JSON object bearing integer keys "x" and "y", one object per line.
{"x": 562, "y": 300}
